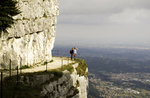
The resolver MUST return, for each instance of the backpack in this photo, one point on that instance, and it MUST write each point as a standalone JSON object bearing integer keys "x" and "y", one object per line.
{"x": 71, "y": 51}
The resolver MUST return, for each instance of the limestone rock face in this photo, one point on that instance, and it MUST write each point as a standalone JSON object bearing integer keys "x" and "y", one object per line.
{"x": 67, "y": 86}
{"x": 81, "y": 82}
{"x": 30, "y": 40}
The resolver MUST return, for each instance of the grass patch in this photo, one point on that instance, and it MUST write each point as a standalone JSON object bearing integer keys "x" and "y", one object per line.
{"x": 51, "y": 61}
{"x": 77, "y": 83}
{"x": 44, "y": 15}
{"x": 25, "y": 18}
{"x": 46, "y": 62}
{"x": 81, "y": 69}
{"x": 25, "y": 67}
{"x": 68, "y": 67}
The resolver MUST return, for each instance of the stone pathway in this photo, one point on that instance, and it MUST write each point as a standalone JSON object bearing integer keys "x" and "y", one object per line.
{"x": 57, "y": 63}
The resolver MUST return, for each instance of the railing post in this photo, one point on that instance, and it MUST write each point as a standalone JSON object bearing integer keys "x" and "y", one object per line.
{"x": 17, "y": 74}
{"x": 1, "y": 84}
{"x": 10, "y": 68}
{"x": 46, "y": 65}
{"x": 20, "y": 64}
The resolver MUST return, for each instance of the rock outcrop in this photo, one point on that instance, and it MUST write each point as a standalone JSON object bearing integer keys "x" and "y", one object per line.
{"x": 50, "y": 84}
{"x": 30, "y": 40}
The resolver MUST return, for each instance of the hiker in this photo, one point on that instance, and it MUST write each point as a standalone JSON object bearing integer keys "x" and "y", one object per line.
{"x": 71, "y": 53}
{"x": 74, "y": 52}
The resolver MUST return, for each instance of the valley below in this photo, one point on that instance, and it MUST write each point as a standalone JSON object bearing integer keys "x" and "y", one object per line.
{"x": 116, "y": 73}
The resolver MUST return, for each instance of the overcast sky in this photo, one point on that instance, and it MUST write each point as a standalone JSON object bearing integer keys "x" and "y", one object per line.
{"x": 96, "y": 23}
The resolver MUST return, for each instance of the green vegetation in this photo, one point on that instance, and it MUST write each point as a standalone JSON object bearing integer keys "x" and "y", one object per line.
{"x": 35, "y": 18}
{"x": 77, "y": 83}
{"x": 81, "y": 69}
{"x": 25, "y": 18}
{"x": 14, "y": 89}
{"x": 8, "y": 9}
{"x": 51, "y": 61}
{"x": 53, "y": 24}
{"x": 25, "y": 67}
{"x": 68, "y": 67}
{"x": 46, "y": 62}
{"x": 24, "y": 89}
{"x": 44, "y": 15}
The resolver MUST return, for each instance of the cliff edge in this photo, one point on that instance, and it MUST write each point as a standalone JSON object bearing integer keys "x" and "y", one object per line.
{"x": 67, "y": 81}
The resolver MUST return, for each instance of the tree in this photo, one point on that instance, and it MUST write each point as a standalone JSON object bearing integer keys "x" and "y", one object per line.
{"x": 8, "y": 9}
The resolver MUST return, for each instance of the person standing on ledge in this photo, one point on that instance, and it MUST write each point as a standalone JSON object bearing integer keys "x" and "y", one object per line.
{"x": 72, "y": 53}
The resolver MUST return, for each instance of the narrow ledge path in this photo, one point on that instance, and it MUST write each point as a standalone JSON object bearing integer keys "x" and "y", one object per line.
{"x": 57, "y": 62}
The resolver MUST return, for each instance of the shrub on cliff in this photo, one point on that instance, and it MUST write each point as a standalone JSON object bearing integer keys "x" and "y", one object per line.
{"x": 81, "y": 69}
{"x": 8, "y": 9}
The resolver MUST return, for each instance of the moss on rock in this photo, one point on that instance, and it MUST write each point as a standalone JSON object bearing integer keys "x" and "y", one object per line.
{"x": 82, "y": 67}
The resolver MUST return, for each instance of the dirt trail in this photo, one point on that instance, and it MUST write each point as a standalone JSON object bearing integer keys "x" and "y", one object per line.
{"x": 56, "y": 63}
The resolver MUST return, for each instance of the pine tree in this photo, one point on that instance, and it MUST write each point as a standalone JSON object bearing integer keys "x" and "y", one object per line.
{"x": 8, "y": 9}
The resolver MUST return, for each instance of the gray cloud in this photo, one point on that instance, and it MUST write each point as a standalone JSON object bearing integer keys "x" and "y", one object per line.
{"x": 104, "y": 11}
{"x": 101, "y": 6}
{"x": 95, "y": 22}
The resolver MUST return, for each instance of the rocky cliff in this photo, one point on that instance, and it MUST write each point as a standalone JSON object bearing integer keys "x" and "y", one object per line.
{"x": 69, "y": 81}
{"x": 30, "y": 40}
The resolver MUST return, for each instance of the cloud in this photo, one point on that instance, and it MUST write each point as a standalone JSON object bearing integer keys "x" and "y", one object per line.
{"x": 101, "y": 6}
{"x": 104, "y": 11}
{"x": 131, "y": 16}
{"x": 103, "y": 21}
{"x": 83, "y": 19}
